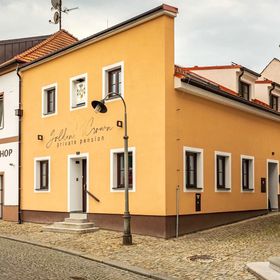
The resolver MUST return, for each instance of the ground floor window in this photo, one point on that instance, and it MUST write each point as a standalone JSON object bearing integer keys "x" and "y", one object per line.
{"x": 42, "y": 174}
{"x": 193, "y": 168}
{"x": 247, "y": 173}
{"x": 223, "y": 171}
{"x": 118, "y": 172}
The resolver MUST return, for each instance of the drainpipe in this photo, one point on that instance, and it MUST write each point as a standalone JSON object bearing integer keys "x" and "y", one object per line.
{"x": 239, "y": 80}
{"x": 177, "y": 210}
{"x": 19, "y": 114}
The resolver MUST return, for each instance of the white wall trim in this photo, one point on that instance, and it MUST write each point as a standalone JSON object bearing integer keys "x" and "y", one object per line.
{"x": 44, "y": 88}
{"x": 112, "y": 175}
{"x": 36, "y": 159}
{"x": 200, "y": 169}
{"x": 75, "y": 156}
{"x": 72, "y": 79}
{"x": 105, "y": 71}
{"x": 228, "y": 171}
{"x": 252, "y": 174}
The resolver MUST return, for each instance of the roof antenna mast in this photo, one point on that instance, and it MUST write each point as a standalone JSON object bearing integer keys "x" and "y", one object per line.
{"x": 57, "y": 17}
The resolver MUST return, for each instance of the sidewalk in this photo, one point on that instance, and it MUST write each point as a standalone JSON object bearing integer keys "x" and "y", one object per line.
{"x": 219, "y": 253}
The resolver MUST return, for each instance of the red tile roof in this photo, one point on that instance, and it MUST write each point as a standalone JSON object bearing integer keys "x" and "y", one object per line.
{"x": 55, "y": 42}
{"x": 181, "y": 72}
{"x": 232, "y": 66}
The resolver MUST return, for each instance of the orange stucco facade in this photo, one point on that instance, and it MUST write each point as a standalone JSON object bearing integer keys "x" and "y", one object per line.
{"x": 162, "y": 121}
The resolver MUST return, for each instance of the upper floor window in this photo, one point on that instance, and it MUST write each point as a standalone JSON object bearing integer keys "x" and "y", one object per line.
{"x": 223, "y": 171}
{"x": 1, "y": 110}
{"x": 78, "y": 92}
{"x": 274, "y": 102}
{"x": 49, "y": 96}
{"x": 244, "y": 90}
{"x": 113, "y": 79}
{"x": 193, "y": 168}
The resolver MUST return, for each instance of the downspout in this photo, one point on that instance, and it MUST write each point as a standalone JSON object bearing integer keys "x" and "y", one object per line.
{"x": 239, "y": 80}
{"x": 19, "y": 114}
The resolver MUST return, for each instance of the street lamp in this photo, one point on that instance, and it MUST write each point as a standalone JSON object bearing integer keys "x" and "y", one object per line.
{"x": 100, "y": 107}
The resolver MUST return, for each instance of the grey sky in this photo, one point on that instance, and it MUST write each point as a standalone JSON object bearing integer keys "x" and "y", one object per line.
{"x": 208, "y": 32}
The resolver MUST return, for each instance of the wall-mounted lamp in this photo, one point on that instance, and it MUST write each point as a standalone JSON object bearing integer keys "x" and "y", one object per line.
{"x": 273, "y": 153}
{"x": 77, "y": 153}
{"x": 40, "y": 137}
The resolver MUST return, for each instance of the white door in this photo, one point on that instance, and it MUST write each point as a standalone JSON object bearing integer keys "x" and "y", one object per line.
{"x": 273, "y": 185}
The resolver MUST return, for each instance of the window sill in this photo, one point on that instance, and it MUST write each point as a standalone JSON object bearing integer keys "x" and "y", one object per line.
{"x": 48, "y": 114}
{"x": 122, "y": 189}
{"x": 193, "y": 189}
{"x": 248, "y": 190}
{"x": 223, "y": 189}
{"x": 42, "y": 190}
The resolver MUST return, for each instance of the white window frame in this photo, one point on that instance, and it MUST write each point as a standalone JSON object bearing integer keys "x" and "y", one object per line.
{"x": 72, "y": 80}
{"x": 199, "y": 168}
{"x": 105, "y": 80}
{"x": 227, "y": 169}
{"x": 251, "y": 174}
{"x": 113, "y": 169}
{"x": 37, "y": 175}
{"x": 44, "y": 101}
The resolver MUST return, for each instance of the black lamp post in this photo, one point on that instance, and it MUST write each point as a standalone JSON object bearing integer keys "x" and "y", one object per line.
{"x": 100, "y": 107}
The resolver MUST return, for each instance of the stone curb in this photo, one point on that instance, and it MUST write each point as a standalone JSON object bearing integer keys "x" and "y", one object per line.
{"x": 115, "y": 264}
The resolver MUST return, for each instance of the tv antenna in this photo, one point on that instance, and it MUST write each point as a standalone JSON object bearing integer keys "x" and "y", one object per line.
{"x": 57, "y": 17}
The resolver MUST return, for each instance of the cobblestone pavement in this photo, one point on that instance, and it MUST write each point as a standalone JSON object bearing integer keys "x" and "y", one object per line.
{"x": 216, "y": 254}
{"x": 24, "y": 261}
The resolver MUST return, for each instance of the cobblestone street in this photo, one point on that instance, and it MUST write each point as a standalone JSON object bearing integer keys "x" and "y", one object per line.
{"x": 24, "y": 261}
{"x": 219, "y": 253}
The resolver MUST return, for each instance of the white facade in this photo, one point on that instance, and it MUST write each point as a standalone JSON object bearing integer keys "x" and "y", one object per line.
{"x": 9, "y": 87}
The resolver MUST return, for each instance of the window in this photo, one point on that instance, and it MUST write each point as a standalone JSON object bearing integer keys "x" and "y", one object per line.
{"x": 113, "y": 78}
{"x": 247, "y": 173}
{"x": 274, "y": 102}
{"x": 244, "y": 90}
{"x": 78, "y": 92}
{"x": 117, "y": 169}
{"x": 49, "y": 97}
{"x": 223, "y": 171}
{"x": 115, "y": 81}
{"x": 42, "y": 174}
{"x": 1, "y": 110}
{"x": 120, "y": 170}
{"x": 193, "y": 169}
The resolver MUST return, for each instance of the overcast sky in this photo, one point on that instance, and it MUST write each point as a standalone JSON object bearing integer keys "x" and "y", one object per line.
{"x": 208, "y": 32}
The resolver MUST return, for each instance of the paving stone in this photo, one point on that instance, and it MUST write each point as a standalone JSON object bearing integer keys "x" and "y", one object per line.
{"x": 230, "y": 248}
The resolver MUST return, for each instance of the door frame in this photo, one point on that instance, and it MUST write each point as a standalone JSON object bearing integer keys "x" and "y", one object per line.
{"x": 267, "y": 180}
{"x": 69, "y": 158}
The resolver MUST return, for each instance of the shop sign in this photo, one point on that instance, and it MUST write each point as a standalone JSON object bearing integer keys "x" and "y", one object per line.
{"x": 6, "y": 153}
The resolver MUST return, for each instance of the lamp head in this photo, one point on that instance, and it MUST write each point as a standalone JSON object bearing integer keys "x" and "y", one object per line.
{"x": 99, "y": 106}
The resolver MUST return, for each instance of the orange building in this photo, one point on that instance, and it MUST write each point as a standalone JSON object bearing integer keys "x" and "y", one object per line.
{"x": 200, "y": 155}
